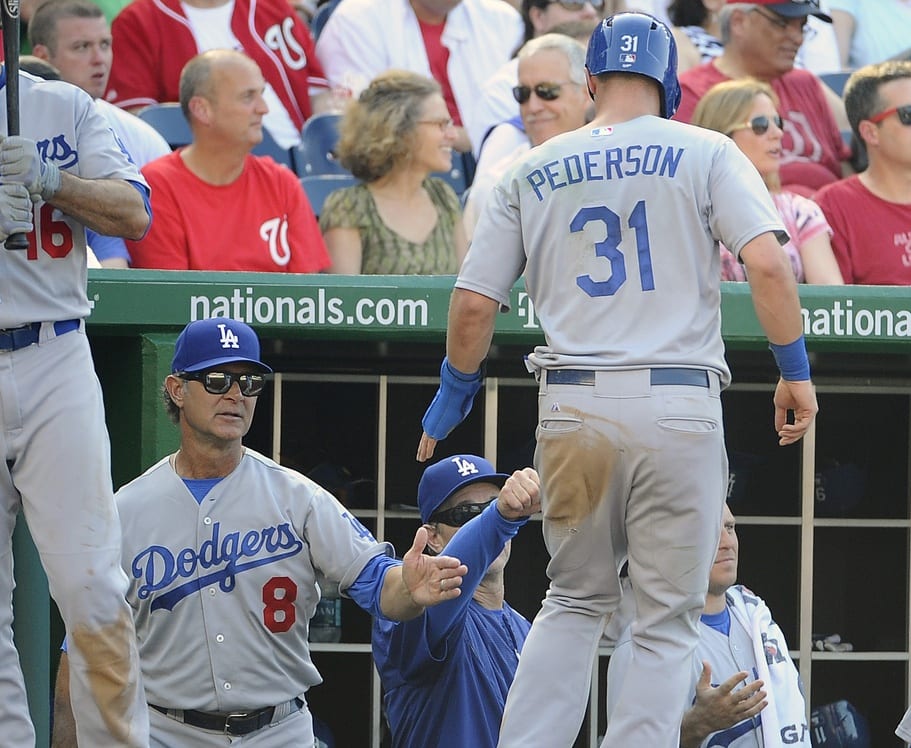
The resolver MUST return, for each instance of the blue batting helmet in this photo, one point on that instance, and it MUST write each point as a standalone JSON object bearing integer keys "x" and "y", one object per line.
{"x": 637, "y": 43}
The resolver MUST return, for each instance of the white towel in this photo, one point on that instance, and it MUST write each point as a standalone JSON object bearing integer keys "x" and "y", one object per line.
{"x": 904, "y": 727}
{"x": 784, "y": 720}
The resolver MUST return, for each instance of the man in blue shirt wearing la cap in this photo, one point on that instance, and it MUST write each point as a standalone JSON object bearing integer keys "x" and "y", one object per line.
{"x": 446, "y": 673}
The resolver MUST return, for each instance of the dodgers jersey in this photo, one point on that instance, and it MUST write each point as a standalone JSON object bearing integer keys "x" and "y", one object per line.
{"x": 223, "y": 592}
{"x": 617, "y": 229}
{"x": 47, "y": 282}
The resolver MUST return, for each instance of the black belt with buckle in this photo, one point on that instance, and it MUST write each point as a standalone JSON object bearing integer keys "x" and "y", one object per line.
{"x": 232, "y": 723}
{"x": 667, "y": 376}
{"x": 14, "y": 338}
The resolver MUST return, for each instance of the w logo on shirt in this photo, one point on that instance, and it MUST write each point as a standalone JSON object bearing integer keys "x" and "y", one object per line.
{"x": 228, "y": 338}
{"x": 465, "y": 467}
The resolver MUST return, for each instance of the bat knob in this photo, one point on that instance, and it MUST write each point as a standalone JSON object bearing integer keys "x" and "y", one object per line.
{"x": 16, "y": 241}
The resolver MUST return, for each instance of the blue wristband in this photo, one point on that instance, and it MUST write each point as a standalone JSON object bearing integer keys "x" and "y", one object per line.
{"x": 792, "y": 360}
{"x": 452, "y": 402}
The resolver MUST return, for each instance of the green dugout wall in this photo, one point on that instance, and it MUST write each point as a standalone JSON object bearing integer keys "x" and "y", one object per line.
{"x": 332, "y": 327}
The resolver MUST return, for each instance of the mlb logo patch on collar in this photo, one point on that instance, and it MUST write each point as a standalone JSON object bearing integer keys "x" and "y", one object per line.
{"x": 597, "y": 132}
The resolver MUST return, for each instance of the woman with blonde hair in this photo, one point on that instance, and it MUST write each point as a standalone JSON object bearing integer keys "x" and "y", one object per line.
{"x": 399, "y": 220}
{"x": 746, "y": 111}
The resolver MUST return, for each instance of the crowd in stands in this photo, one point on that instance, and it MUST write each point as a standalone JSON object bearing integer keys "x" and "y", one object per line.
{"x": 418, "y": 92}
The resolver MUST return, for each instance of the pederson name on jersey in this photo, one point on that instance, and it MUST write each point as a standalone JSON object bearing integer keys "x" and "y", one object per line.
{"x": 606, "y": 164}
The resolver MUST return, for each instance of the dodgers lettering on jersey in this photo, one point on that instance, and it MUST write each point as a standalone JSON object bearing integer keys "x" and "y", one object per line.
{"x": 609, "y": 163}
{"x": 160, "y": 567}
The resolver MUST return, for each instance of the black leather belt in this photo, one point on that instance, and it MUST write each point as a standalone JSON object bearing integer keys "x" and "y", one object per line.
{"x": 14, "y": 338}
{"x": 233, "y": 723}
{"x": 671, "y": 376}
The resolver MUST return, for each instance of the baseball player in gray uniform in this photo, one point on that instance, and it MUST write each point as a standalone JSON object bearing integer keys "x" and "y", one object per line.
{"x": 616, "y": 228}
{"x": 65, "y": 173}
{"x": 222, "y": 546}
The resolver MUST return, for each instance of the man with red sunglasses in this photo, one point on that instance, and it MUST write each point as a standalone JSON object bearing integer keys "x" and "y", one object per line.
{"x": 870, "y": 212}
{"x": 446, "y": 673}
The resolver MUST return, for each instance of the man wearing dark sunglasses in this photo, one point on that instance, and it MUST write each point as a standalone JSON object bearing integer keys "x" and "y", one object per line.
{"x": 615, "y": 227}
{"x": 761, "y": 40}
{"x": 552, "y": 99}
{"x": 222, "y": 547}
{"x": 445, "y": 674}
{"x": 870, "y": 212}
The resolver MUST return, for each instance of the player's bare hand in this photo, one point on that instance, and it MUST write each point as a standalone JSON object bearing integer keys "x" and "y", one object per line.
{"x": 21, "y": 163}
{"x": 431, "y": 579}
{"x": 520, "y": 495}
{"x": 800, "y": 399}
{"x": 426, "y": 447}
{"x": 15, "y": 210}
{"x": 721, "y": 707}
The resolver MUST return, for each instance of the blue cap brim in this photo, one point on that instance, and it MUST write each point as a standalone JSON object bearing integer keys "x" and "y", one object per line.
{"x": 208, "y": 364}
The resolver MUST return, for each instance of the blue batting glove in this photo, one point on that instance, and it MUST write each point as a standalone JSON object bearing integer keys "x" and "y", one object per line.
{"x": 453, "y": 401}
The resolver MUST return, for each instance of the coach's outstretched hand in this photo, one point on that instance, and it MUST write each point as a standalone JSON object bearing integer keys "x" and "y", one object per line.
{"x": 720, "y": 707}
{"x": 800, "y": 398}
{"x": 420, "y": 581}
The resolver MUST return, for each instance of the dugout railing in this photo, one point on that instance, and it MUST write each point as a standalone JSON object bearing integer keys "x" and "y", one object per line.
{"x": 357, "y": 359}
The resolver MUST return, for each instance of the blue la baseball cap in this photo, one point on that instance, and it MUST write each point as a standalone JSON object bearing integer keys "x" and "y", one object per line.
{"x": 442, "y": 479}
{"x": 211, "y": 342}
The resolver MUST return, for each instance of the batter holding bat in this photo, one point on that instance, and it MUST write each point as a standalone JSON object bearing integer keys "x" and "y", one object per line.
{"x": 615, "y": 227}
{"x": 222, "y": 547}
{"x": 64, "y": 173}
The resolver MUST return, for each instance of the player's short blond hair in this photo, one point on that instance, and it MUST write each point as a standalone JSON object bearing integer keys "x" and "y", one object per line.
{"x": 378, "y": 129}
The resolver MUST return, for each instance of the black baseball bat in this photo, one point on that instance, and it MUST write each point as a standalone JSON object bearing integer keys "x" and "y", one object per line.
{"x": 9, "y": 12}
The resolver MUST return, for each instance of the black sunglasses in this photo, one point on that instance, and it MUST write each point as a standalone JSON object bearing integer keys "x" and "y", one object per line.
{"x": 459, "y": 515}
{"x": 903, "y": 112}
{"x": 544, "y": 91}
{"x": 219, "y": 382}
{"x": 759, "y": 125}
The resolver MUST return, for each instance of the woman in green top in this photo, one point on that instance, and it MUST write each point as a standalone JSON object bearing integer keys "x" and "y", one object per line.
{"x": 400, "y": 220}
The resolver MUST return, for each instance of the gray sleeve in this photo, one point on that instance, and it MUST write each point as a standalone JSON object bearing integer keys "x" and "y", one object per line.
{"x": 496, "y": 257}
{"x": 741, "y": 207}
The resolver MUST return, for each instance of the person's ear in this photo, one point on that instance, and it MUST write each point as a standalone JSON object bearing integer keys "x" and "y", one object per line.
{"x": 175, "y": 387}
{"x": 434, "y": 541}
{"x": 200, "y": 109}
{"x": 42, "y": 51}
{"x": 534, "y": 16}
{"x": 869, "y": 132}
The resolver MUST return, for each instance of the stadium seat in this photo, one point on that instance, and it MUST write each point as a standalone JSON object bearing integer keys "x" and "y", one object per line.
{"x": 318, "y": 186}
{"x": 320, "y": 17}
{"x": 318, "y": 139}
{"x": 460, "y": 175}
{"x": 168, "y": 119}
{"x": 836, "y": 81}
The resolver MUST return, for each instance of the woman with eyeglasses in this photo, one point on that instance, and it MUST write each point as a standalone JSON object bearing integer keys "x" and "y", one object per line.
{"x": 400, "y": 220}
{"x": 746, "y": 110}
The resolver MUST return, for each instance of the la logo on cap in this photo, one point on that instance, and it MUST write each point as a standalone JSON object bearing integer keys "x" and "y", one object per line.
{"x": 228, "y": 338}
{"x": 465, "y": 467}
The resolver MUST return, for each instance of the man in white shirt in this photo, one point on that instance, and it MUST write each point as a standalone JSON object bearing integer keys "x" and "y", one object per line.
{"x": 460, "y": 43}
